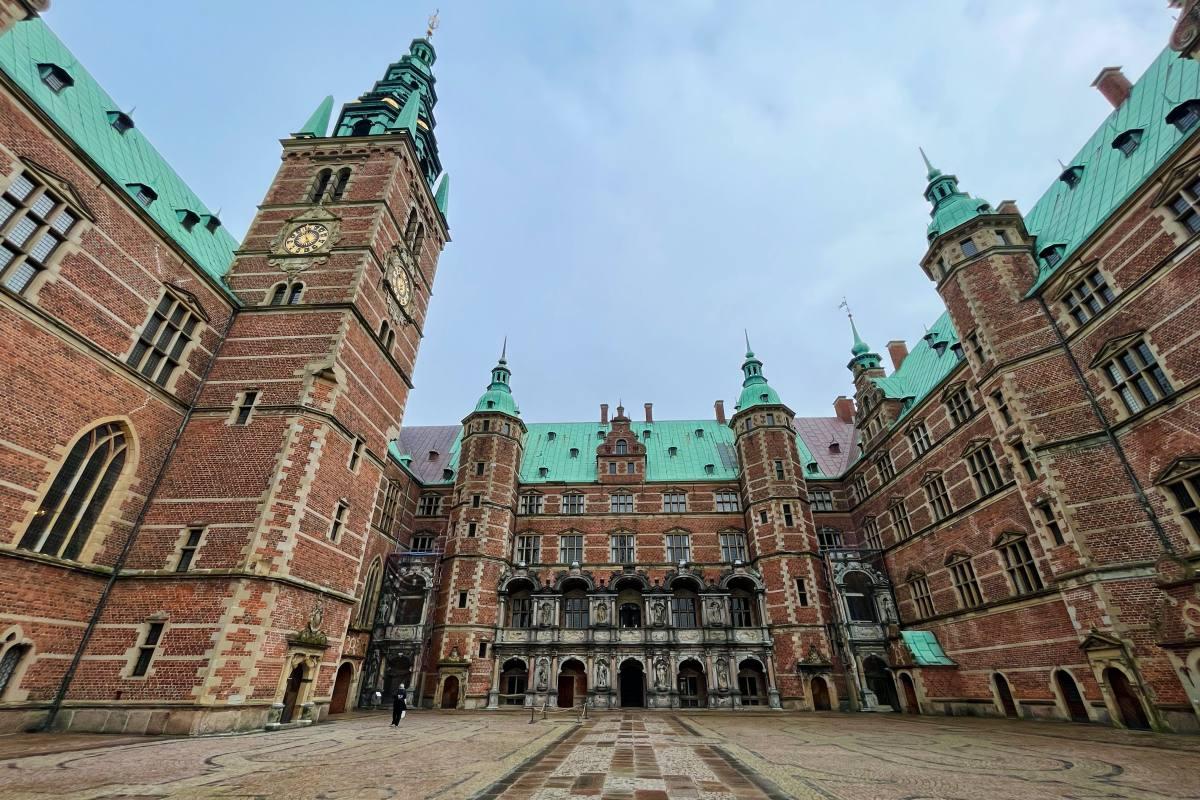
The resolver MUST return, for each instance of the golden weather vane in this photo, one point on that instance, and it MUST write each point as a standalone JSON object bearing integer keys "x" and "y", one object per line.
{"x": 433, "y": 24}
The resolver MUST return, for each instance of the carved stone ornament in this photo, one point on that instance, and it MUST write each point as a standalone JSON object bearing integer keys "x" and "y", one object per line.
{"x": 602, "y": 674}
{"x": 311, "y": 634}
{"x": 660, "y": 673}
{"x": 543, "y": 674}
{"x": 314, "y": 231}
{"x": 395, "y": 314}
{"x": 1187, "y": 27}
{"x": 722, "y": 674}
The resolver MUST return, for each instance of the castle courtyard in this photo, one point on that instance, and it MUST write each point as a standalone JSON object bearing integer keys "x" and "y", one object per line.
{"x": 631, "y": 756}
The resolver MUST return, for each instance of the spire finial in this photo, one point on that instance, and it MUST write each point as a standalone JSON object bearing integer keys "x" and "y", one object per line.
{"x": 504, "y": 349}
{"x": 931, "y": 170}
{"x": 749, "y": 352}
{"x": 433, "y": 24}
{"x": 860, "y": 346}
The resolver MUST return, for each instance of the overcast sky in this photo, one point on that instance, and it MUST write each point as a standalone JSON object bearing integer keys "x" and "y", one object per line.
{"x": 633, "y": 183}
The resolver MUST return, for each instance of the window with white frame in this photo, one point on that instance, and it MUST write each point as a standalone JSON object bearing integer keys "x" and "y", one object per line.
{"x": 572, "y": 504}
{"x": 733, "y": 547}
{"x": 34, "y": 222}
{"x": 728, "y": 501}
{"x": 679, "y": 547}
{"x": 531, "y": 504}
{"x": 430, "y": 505}
{"x": 674, "y": 502}
{"x": 622, "y": 548}
{"x": 821, "y": 500}
{"x": 570, "y": 548}
{"x": 529, "y": 549}
{"x": 620, "y": 503}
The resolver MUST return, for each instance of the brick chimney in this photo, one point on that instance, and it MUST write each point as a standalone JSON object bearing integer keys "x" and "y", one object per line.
{"x": 844, "y": 408}
{"x": 1113, "y": 84}
{"x": 603, "y": 413}
{"x": 719, "y": 408}
{"x": 898, "y": 350}
{"x": 1008, "y": 207}
{"x": 649, "y": 412}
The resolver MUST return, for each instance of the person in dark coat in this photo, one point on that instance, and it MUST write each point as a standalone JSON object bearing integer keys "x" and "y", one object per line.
{"x": 399, "y": 706}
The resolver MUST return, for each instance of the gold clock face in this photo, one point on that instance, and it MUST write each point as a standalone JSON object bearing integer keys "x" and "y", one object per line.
{"x": 401, "y": 284}
{"x": 307, "y": 238}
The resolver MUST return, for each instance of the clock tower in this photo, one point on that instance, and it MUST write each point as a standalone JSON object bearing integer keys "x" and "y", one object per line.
{"x": 281, "y": 461}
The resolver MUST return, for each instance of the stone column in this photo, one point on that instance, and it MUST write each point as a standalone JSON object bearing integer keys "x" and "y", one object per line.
{"x": 494, "y": 693}
{"x": 772, "y": 687}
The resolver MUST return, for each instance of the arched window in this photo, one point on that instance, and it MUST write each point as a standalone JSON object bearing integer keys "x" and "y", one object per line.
{"x": 78, "y": 493}
{"x": 418, "y": 240}
{"x": 9, "y": 663}
{"x": 320, "y": 185}
{"x": 860, "y": 597}
{"x": 278, "y": 295}
{"x": 387, "y": 336}
{"x": 361, "y": 128}
{"x": 410, "y": 600}
{"x": 294, "y": 293}
{"x": 366, "y": 611}
{"x": 622, "y": 447}
{"x": 339, "y": 186}
{"x": 410, "y": 227}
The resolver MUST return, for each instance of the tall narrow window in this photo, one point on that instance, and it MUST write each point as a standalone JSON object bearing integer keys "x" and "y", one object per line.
{"x": 733, "y": 547}
{"x": 339, "y": 521}
{"x": 622, "y": 546}
{"x": 389, "y": 506}
{"x": 939, "y": 498}
{"x": 1052, "y": 526}
{"x": 861, "y": 492}
{"x": 320, "y": 184}
{"x": 683, "y": 612}
{"x": 163, "y": 339}
{"x": 1186, "y": 493}
{"x": 871, "y": 534}
{"x": 78, "y": 493}
{"x": 279, "y": 294}
{"x": 370, "y": 596}
{"x": 294, "y": 293}
{"x": 245, "y": 407}
{"x": 918, "y": 439}
{"x": 959, "y": 406}
{"x": 410, "y": 227}
{"x": 33, "y": 224}
{"x": 622, "y": 447}
{"x": 788, "y": 519}
{"x": 1002, "y": 407}
{"x": 575, "y": 610}
{"x": 983, "y": 468}
{"x": 1026, "y": 460}
{"x": 778, "y": 470}
{"x": 187, "y": 552}
{"x": 922, "y": 599}
{"x": 741, "y": 610}
{"x": 801, "y": 592}
{"x": 570, "y": 548}
{"x": 520, "y": 612}
{"x": 339, "y": 185}
{"x": 900, "y": 520}
{"x": 355, "y": 454}
{"x": 962, "y": 573}
{"x": 9, "y": 663}
{"x": 679, "y": 547}
{"x": 418, "y": 240}
{"x": 146, "y": 649}
{"x": 1136, "y": 376}
{"x": 529, "y": 549}
{"x": 1022, "y": 571}
{"x": 886, "y": 470}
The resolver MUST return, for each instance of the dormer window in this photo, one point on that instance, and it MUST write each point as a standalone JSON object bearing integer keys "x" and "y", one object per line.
{"x": 543, "y": 472}
{"x": 762, "y": 398}
{"x": 447, "y": 474}
{"x": 672, "y": 451}
{"x": 120, "y": 121}
{"x": 1185, "y": 116}
{"x": 491, "y": 403}
{"x": 574, "y": 452}
{"x": 646, "y": 434}
{"x": 622, "y": 447}
{"x": 142, "y": 193}
{"x": 1052, "y": 254}
{"x": 812, "y": 467}
{"x": 1071, "y": 176}
{"x": 709, "y": 469}
{"x": 187, "y": 218}
{"x": 55, "y": 77}
{"x": 939, "y": 347}
{"x": 1128, "y": 141}
{"x": 211, "y": 223}
{"x": 433, "y": 455}
{"x": 699, "y": 433}
{"x": 551, "y": 436}
{"x": 599, "y": 434}
{"x": 834, "y": 447}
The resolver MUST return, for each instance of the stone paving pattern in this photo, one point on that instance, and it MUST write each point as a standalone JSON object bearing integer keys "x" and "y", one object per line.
{"x": 617, "y": 756}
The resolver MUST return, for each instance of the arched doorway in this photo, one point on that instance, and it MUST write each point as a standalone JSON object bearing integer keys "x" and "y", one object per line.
{"x": 291, "y": 694}
{"x": 632, "y": 680}
{"x": 911, "y": 706}
{"x": 1076, "y": 708}
{"x": 450, "y": 692}
{"x": 397, "y": 674}
{"x": 514, "y": 681}
{"x": 1005, "y": 694}
{"x": 879, "y": 680}
{"x": 572, "y": 683}
{"x": 820, "y": 695}
{"x": 1128, "y": 704}
{"x": 752, "y": 683}
{"x": 693, "y": 688}
{"x": 341, "y": 688}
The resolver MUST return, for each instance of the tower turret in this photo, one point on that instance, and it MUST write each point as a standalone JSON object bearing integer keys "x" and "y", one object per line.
{"x": 951, "y": 207}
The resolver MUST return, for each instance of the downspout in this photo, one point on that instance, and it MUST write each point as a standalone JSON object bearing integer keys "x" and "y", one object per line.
{"x": 1108, "y": 432}
{"x": 102, "y": 601}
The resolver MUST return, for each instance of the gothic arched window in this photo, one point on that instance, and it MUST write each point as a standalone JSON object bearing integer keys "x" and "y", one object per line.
{"x": 8, "y": 664}
{"x": 622, "y": 447}
{"x": 339, "y": 186}
{"x": 278, "y": 295}
{"x": 366, "y": 611}
{"x": 78, "y": 493}
{"x": 361, "y": 128}
{"x": 294, "y": 293}
{"x": 320, "y": 185}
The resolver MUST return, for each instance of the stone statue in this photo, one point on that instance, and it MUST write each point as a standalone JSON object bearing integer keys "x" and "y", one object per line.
{"x": 722, "y": 674}
{"x": 660, "y": 673}
{"x": 889, "y": 608}
{"x": 660, "y": 612}
{"x": 547, "y": 614}
{"x": 716, "y": 613}
{"x": 318, "y": 616}
{"x": 543, "y": 675}
{"x": 602, "y": 674}
{"x": 602, "y": 614}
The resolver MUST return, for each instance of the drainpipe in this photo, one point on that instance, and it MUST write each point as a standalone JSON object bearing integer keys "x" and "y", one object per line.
{"x": 1130, "y": 475}
{"x": 102, "y": 601}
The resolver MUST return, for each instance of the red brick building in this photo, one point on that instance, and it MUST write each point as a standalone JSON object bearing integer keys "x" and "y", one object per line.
{"x": 212, "y": 520}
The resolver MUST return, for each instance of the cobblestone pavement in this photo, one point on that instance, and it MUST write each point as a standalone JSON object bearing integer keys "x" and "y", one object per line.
{"x": 617, "y": 756}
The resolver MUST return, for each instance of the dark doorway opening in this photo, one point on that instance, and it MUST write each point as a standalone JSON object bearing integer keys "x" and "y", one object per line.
{"x": 632, "y": 680}
{"x": 450, "y": 693}
{"x": 341, "y": 689}
{"x": 1132, "y": 713}
{"x": 1006, "y": 697}
{"x": 291, "y": 694}
{"x": 572, "y": 683}
{"x": 820, "y": 695}
{"x": 1076, "y": 708}
{"x": 911, "y": 706}
{"x": 879, "y": 680}
{"x": 693, "y": 688}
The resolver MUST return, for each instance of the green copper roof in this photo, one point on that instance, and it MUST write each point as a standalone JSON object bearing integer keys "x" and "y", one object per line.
{"x": 931, "y": 360}
{"x": 926, "y": 650}
{"x": 498, "y": 396}
{"x": 860, "y": 347}
{"x": 82, "y": 111}
{"x": 318, "y": 123}
{"x": 407, "y": 118}
{"x": 1066, "y": 216}
{"x": 951, "y": 207}
{"x": 755, "y": 390}
{"x": 442, "y": 198}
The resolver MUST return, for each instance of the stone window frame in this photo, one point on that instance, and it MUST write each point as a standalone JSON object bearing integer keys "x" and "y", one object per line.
{"x": 48, "y": 225}
{"x": 1089, "y": 292}
{"x": 1119, "y": 379}
{"x": 733, "y": 546}
{"x": 372, "y": 584}
{"x": 674, "y": 501}
{"x": 918, "y": 439}
{"x": 964, "y": 579}
{"x": 829, "y": 538}
{"x": 677, "y": 545}
{"x": 820, "y": 499}
{"x": 140, "y": 659}
{"x": 861, "y": 490}
{"x": 922, "y": 597}
{"x": 573, "y": 503}
{"x": 418, "y": 538}
{"x": 527, "y": 548}
{"x": 191, "y": 539}
{"x": 723, "y": 499}
{"x": 901, "y": 520}
{"x": 1020, "y": 565}
{"x": 1179, "y": 484}
{"x": 17, "y": 653}
{"x": 937, "y": 496}
{"x": 622, "y": 547}
{"x": 1184, "y": 207}
{"x": 885, "y": 466}
{"x": 429, "y": 504}
{"x": 244, "y": 405}
{"x": 622, "y": 503}
{"x": 957, "y": 400}
{"x": 181, "y": 313}
{"x": 564, "y": 551}
{"x": 981, "y": 467}
{"x": 531, "y": 504}
{"x": 871, "y": 536}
